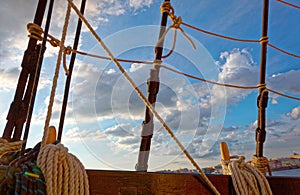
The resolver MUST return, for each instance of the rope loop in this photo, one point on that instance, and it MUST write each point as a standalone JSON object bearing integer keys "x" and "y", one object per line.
{"x": 262, "y": 86}
{"x": 166, "y": 7}
{"x": 35, "y": 31}
{"x": 264, "y": 39}
{"x": 261, "y": 163}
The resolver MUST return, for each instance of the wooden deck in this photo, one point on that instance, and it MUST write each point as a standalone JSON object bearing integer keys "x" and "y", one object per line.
{"x": 126, "y": 182}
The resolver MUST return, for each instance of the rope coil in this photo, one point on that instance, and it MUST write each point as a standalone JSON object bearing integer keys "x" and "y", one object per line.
{"x": 6, "y": 146}
{"x": 245, "y": 178}
{"x": 64, "y": 173}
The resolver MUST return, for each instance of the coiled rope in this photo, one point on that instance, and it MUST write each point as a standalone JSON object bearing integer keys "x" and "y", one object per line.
{"x": 6, "y": 146}
{"x": 245, "y": 178}
{"x": 143, "y": 98}
{"x": 63, "y": 172}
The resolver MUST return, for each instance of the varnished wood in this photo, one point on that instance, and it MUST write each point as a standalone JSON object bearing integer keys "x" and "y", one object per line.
{"x": 126, "y": 182}
{"x": 224, "y": 151}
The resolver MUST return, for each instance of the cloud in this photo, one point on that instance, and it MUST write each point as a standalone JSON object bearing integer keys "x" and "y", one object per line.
{"x": 285, "y": 82}
{"x": 238, "y": 68}
{"x": 9, "y": 79}
{"x": 295, "y": 113}
{"x": 136, "y": 4}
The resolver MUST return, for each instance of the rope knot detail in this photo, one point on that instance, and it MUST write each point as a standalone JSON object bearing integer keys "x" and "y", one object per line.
{"x": 262, "y": 86}
{"x": 35, "y": 31}
{"x": 166, "y": 7}
{"x": 264, "y": 39}
{"x": 261, "y": 163}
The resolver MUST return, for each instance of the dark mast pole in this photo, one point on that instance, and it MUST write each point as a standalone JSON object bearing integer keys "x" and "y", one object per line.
{"x": 68, "y": 80}
{"x": 262, "y": 99}
{"x": 153, "y": 88}
{"x": 19, "y": 107}
{"x": 36, "y": 76}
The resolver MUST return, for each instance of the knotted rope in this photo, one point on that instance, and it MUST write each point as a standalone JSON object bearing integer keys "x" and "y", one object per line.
{"x": 261, "y": 163}
{"x": 246, "y": 179}
{"x": 6, "y": 146}
{"x": 63, "y": 172}
{"x": 166, "y": 7}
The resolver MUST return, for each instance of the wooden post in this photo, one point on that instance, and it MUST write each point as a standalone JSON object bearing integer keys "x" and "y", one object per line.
{"x": 262, "y": 99}
{"x": 19, "y": 107}
{"x": 153, "y": 88}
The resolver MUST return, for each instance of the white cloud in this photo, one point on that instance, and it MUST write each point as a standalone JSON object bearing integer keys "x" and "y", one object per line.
{"x": 136, "y": 4}
{"x": 295, "y": 113}
{"x": 238, "y": 69}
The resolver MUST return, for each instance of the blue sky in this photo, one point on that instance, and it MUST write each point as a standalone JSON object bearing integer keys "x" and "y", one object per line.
{"x": 104, "y": 116}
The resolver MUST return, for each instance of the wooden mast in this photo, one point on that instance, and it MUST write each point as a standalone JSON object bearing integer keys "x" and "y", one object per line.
{"x": 262, "y": 100}
{"x": 68, "y": 80}
{"x": 19, "y": 107}
{"x": 153, "y": 88}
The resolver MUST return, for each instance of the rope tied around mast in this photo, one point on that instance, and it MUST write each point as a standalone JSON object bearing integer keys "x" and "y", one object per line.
{"x": 245, "y": 178}
{"x": 166, "y": 7}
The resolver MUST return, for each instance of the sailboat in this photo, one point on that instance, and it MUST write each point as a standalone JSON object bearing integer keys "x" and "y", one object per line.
{"x": 139, "y": 181}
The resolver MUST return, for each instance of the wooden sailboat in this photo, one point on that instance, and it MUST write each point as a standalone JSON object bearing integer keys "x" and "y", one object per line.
{"x": 128, "y": 182}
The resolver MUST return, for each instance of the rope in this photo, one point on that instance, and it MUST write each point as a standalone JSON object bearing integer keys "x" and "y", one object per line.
{"x": 63, "y": 172}
{"x": 219, "y": 35}
{"x": 55, "y": 78}
{"x": 246, "y": 179}
{"x": 140, "y": 94}
{"x": 289, "y": 4}
{"x": 6, "y": 146}
{"x": 261, "y": 163}
{"x": 283, "y": 51}
{"x": 166, "y": 7}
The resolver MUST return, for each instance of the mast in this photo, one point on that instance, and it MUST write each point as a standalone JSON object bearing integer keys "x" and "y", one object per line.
{"x": 19, "y": 107}
{"x": 68, "y": 79}
{"x": 153, "y": 88}
{"x": 262, "y": 100}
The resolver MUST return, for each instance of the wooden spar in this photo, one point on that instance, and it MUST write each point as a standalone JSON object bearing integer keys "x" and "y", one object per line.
{"x": 153, "y": 88}
{"x": 262, "y": 99}
{"x": 37, "y": 74}
{"x": 69, "y": 76}
{"x": 19, "y": 107}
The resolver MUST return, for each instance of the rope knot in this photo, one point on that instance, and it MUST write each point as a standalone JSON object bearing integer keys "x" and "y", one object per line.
{"x": 264, "y": 39}
{"x": 261, "y": 163}
{"x": 68, "y": 50}
{"x": 35, "y": 31}
{"x": 166, "y": 7}
{"x": 262, "y": 86}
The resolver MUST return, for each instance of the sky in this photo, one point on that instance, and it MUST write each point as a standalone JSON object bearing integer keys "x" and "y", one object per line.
{"x": 104, "y": 114}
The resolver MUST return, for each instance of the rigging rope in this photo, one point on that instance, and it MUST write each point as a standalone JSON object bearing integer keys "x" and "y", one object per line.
{"x": 166, "y": 7}
{"x": 55, "y": 42}
{"x": 289, "y": 4}
{"x": 55, "y": 78}
{"x": 140, "y": 94}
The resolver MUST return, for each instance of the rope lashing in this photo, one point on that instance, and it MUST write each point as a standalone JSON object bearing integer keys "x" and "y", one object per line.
{"x": 63, "y": 172}
{"x": 261, "y": 163}
{"x": 140, "y": 94}
{"x": 35, "y": 31}
{"x": 166, "y": 7}
{"x": 264, "y": 39}
{"x": 245, "y": 178}
{"x": 6, "y": 146}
